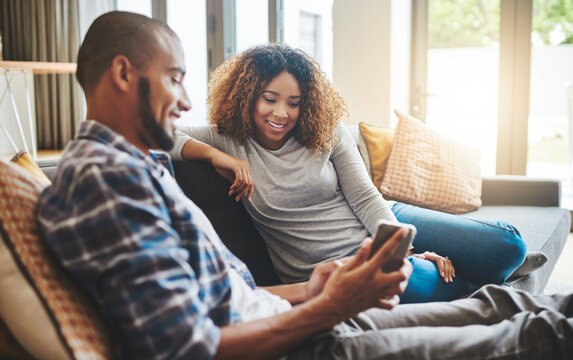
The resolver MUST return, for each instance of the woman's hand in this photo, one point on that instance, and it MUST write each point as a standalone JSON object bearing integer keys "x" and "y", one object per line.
{"x": 237, "y": 172}
{"x": 445, "y": 266}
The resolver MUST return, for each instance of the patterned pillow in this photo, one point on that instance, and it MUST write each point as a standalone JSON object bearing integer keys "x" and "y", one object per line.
{"x": 48, "y": 316}
{"x": 430, "y": 170}
{"x": 378, "y": 141}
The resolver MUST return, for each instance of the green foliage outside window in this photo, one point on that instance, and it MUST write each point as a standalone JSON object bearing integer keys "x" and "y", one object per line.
{"x": 553, "y": 15}
{"x": 470, "y": 23}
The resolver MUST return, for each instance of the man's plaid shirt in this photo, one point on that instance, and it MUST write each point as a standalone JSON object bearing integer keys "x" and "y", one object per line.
{"x": 149, "y": 257}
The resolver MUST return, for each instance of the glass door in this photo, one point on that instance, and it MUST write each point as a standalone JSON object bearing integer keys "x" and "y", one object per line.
{"x": 497, "y": 74}
{"x": 550, "y": 145}
{"x": 457, "y": 91}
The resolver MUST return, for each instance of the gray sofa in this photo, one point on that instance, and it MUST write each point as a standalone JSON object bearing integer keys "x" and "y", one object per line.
{"x": 531, "y": 205}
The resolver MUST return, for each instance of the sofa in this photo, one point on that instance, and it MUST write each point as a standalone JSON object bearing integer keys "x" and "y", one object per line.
{"x": 72, "y": 329}
{"x": 532, "y": 205}
{"x": 542, "y": 223}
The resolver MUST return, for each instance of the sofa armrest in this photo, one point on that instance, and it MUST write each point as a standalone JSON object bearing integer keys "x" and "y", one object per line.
{"x": 514, "y": 190}
{"x": 208, "y": 190}
{"x": 49, "y": 167}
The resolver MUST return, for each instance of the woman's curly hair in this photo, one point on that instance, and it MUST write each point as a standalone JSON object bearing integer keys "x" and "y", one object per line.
{"x": 237, "y": 84}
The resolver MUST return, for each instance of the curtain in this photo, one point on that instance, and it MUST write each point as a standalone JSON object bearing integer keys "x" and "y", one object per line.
{"x": 47, "y": 31}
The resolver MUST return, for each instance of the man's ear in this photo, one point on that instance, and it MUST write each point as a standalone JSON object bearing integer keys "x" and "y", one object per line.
{"x": 122, "y": 72}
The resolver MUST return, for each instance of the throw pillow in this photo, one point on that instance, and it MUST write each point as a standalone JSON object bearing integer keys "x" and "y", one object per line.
{"x": 430, "y": 170}
{"x": 23, "y": 311}
{"x": 43, "y": 309}
{"x": 378, "y": 141}
{"x": 363, "y": 150}
{"x": 9, "y": 347}
{"x": 23, "y": 159}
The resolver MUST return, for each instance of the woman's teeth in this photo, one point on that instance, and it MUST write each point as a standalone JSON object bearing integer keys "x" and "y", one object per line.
{"x": 276, "y": 125}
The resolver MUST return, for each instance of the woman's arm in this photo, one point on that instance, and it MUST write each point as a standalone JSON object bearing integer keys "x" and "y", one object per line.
{"x": 183, "y": 134}
{"x": 365, "y": 199}
{"x": 358, "y": 189}
{"x": 235, "y": 170}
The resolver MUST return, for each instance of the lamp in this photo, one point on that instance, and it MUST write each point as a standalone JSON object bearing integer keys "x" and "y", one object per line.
{"x": 16, "y": 85}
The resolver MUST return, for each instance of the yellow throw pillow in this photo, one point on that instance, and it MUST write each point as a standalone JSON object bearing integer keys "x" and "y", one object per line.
{"x": 23, "y": 159}
{"x": 430, "y": 170}
{"x": 44, "y": 310}
{"x": 378, "y": 142}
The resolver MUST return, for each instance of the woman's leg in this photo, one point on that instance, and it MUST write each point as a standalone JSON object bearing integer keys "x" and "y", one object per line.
{"x": 426, "y": 284}
{"x": 482, "y": 252}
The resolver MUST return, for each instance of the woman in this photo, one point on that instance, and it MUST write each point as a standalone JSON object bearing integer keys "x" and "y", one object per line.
{"x": 278, "y": 117}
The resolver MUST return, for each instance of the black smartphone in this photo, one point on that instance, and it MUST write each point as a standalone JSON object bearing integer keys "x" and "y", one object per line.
{"x": 385, "y": 231}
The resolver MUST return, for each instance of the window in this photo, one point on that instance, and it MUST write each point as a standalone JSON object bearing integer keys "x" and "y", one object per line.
{"x": 309, "y": 34}
{"x": 497, "y": 76}
{"x": 308, "y": 26}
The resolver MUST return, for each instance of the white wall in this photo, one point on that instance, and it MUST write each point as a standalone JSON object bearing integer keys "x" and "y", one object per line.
{"x": 400, "y": 54}
{"x": 187, "y": 19}
{"x": 252, "y": 23}
{"x": 371, "y": 47}
{"x": 136, "y": 6}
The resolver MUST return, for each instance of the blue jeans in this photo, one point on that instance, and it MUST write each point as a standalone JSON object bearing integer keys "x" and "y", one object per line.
{"x": 481, "y": 252}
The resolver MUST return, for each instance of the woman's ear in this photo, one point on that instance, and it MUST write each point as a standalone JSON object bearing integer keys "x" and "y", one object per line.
{"x": 122, "y": 75}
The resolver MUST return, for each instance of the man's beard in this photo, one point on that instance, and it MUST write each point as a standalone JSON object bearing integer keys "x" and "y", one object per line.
{"x": 154, "y": 134}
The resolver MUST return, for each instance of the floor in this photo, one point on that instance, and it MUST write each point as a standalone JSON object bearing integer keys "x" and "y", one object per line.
{"x": 563, "y": 270}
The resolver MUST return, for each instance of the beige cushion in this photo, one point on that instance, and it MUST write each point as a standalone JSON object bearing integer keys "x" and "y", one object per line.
{"x": 42, "y": 308}
{"x": 23, "y": 312}
{"x": 378, "y": 141}
{"x": 431, "y": 170}
{"x": 9, "y": 347}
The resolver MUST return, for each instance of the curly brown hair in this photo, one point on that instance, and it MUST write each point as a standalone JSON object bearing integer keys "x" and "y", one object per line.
{"x": 237, "y": 84}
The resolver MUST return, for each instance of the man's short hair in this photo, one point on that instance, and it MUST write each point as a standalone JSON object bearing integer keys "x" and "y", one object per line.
{"x": 117, "y": 33}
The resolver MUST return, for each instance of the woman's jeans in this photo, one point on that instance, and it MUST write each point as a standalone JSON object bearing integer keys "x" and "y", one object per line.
{"x": 481, "y": 252}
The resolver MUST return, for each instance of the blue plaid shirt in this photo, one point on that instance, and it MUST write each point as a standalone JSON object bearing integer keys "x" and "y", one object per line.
{"x": 149, "y": 257}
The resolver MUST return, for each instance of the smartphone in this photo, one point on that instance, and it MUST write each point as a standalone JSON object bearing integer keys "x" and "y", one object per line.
{"x": 385, "y": 231}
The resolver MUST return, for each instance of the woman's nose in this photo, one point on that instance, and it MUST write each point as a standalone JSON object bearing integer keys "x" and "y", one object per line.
{"x": 280, "y": 111}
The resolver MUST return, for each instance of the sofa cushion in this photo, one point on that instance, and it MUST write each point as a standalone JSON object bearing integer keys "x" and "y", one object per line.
{"x": 430, "y": 170}
{"x": 23, "y": 311}
{"x": 544, "y": 229}
{"x": 41, "y": 296}
{"x": 9, "y": 346}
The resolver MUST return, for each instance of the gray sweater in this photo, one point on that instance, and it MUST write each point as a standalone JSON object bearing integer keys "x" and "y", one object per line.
{"x": 308, "y": 207}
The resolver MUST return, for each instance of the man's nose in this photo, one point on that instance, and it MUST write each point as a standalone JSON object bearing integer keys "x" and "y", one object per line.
{"x": 184, "y": 103}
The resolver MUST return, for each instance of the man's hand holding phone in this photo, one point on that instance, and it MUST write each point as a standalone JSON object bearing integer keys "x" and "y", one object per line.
{"x": 354, "y": 284}
{"x": 386, "y": 230}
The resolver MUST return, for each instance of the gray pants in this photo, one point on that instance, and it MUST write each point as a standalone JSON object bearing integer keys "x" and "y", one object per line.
{"x": 495, "y": 322}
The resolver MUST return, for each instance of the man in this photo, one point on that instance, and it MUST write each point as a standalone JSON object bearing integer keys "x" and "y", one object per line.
{"x": 170, "y": 289}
